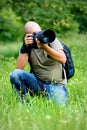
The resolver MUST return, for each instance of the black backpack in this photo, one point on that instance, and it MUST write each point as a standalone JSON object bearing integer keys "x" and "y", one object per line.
{"x": 69, "y": 65}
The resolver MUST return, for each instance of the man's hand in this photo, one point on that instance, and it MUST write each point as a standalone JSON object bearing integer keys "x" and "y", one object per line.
{"x": 40, "y": 45}
{"x": 28, "y": 39}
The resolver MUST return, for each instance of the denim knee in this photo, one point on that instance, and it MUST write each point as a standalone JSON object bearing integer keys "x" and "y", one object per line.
{"x": 16, "y": 81}
{"x": 57, "y": 93}
{"x": 14, "y": 75}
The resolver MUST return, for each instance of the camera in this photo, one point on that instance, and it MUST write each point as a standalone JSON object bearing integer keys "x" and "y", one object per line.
{"x": 45, "y": 36}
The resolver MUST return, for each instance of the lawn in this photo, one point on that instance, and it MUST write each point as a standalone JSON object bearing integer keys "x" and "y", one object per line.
{"x": 40, "y": 114}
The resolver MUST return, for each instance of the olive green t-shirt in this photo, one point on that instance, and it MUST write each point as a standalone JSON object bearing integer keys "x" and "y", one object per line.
{"x": 45, "y": 67}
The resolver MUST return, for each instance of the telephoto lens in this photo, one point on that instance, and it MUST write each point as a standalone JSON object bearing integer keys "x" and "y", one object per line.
{"x": 45, "y": 36}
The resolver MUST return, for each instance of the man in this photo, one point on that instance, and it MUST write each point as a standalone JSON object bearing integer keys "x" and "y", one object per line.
{"x": 46, "y": 64}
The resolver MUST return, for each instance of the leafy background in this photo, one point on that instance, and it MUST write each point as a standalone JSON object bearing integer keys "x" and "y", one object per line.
{"x": 62, "y": 16}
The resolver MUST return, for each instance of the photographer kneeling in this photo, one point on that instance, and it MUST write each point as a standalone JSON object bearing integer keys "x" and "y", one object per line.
{"x": 45, "y": 56}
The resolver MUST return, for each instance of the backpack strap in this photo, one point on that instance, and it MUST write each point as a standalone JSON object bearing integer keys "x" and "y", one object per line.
{"x": 63, "y": 75}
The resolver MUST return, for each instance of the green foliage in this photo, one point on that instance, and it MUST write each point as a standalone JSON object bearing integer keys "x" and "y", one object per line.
{"x": 49, "y": 14}
{"x": 61, "y": 16}
{"x": 79, "y": 9}
{"x": 40, "y": 114}
{"x": 10, "y": 25}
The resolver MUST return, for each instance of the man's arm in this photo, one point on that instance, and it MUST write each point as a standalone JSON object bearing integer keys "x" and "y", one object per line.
{"x": 23, "y": 56}
{"x": 56, "y": 55}
{"x": 22, "y": 61}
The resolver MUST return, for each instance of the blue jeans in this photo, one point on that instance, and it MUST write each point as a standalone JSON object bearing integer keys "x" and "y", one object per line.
{"x": 24, "y": 81}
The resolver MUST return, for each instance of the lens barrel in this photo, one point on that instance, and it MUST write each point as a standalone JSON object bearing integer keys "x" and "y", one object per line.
{"x": 46, "y": 36}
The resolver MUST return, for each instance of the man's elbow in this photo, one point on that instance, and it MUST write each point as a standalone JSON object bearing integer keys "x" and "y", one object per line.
{"x": 64, "y": 60}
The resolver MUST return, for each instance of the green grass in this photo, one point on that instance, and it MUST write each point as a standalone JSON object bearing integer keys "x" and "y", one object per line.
{"x": 41, "y": 114}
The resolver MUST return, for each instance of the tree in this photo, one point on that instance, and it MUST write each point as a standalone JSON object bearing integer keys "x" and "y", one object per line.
{"x": 54, "y": 14}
